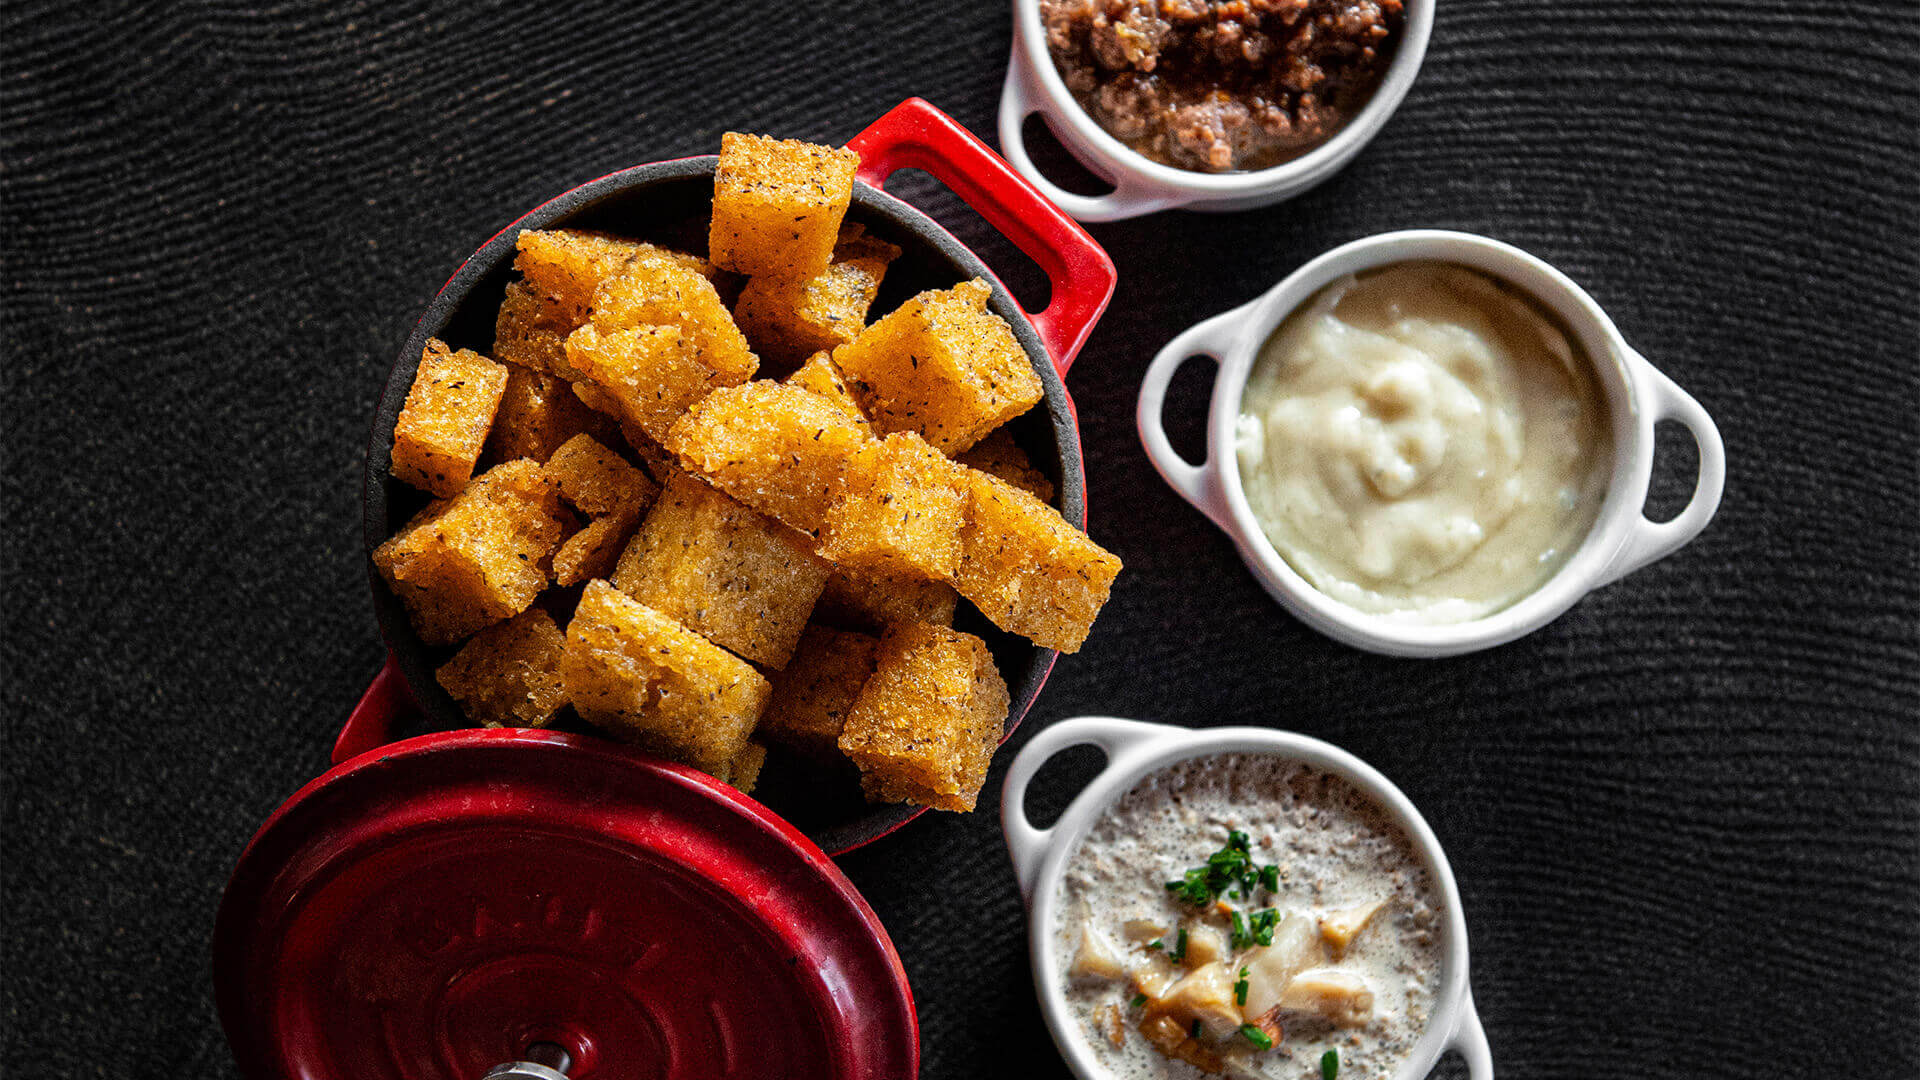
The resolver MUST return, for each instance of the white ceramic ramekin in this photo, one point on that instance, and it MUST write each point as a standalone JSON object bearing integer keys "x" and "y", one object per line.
{"x": 1143, "y": 186}
{"x": 1135, "y": 750}
{"x": 1621, "y": 539}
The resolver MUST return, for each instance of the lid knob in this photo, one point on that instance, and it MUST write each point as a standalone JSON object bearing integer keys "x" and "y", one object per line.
{"x": 543, "y": 1061}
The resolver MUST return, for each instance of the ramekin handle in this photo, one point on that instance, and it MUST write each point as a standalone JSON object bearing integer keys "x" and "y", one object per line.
{"x": 1027, "y": 845}
{"x": 1660, "y": 398}
{"x": 1469, "y": 1040}
{"x": 1126, "y": 200}
{"x": 1193, "y": 482}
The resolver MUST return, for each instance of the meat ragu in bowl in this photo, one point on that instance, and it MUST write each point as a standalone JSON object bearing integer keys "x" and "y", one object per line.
{"x": 1222, "y": 85}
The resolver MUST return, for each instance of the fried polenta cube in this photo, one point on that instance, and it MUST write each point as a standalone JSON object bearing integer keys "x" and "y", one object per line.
{"x": 444, "y": 424}
{"x": 594, "y": 551}
{"x": 531, "y": 330}
{"x": 897, "y": 509}
{"x": 648, "y": 680}
{"x": 775, "y": 447}
{"x": 648, "y": 375}
{"x": 778, "y": 204}
{"x": 566, "y": 266}
{"x": 819, "y": 376}
{"x": 1027, "y": 569}
{"x": 654, "y": 291}
{"x": 743, "y": 772}
{"x": 481, "y": 557}
{"x": 867, "y": 600}
{"x": 538, "y": 413}
{"x": 812, "y": 695}
{"x": 744, "y": 581}
{"x": 926, "y": 723}
{"x": 943, "y": 366}
{"x": 598, "y": 481}
{"x": 509, "y": 674}
{"x": 999, "y": 455}
{"x": 788, "y": 320}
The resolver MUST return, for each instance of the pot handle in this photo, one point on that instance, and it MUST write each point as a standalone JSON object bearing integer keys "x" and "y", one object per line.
{"x": 1120, "y": 739}
{"x": 370, "y": 724}
{"x": 915, "y": 135}
{"x": 1660, "y": 398}
{"x": 1194, "y": 483}
{"x": 1469, "y": 1039}
{"x": 1126, "y": 200}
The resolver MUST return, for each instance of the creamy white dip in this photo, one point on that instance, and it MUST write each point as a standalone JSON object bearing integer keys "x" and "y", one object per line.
{"x": 1423, "y": 441}
{"x": 1336, "y": 854}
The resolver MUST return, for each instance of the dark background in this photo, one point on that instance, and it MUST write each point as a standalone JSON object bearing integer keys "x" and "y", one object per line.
{"x": 1685, "y": 817}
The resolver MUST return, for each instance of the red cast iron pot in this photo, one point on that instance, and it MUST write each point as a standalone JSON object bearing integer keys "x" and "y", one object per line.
{"x": 670, "y": 202}
{"x": 436, "y": 905}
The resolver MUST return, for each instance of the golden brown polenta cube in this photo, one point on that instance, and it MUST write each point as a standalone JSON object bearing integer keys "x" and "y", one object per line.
{"x": 819, "y": 376}
{"x": 531, "y": 330}
{"x": 775, "y": 447}
{"x": 811, "y": 697}
{"x": 743, "y": 772}
{"x": 660, "y": 292}
{"x": 648, "y": 375}
{"x": 788, "y": 320}
{"x": 444, "y": 423}
{"x": 598, "y": 481}
{"x": 943, "y": 366}
{"x": 478, "y": 558}
{"x": 1027, "y": 569}
{"x": 509, "y": 674}
{"x": 897, "y": 509}
{"x": 869, "y": 601}
{"x": 743, "y": 580}
{"x": 778, "y": 204}
{"x": 1000, "y": 455}
{"x": 538, "y": 413}
{"x": 566, "y": 266}
{"x": 926, "y": 723}
{"x": 595, "y": 550}
{"x": 645, "y": 678}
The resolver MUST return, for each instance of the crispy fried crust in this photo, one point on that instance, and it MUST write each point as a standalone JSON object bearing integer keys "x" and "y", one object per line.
{"x": 778, "y": 205}
{"x": 741, "y": 579}
{"x": 942, "y": 366}
{"x": 444, "y": 424}
{"x": 1027, "y": 569}
{"x": 812, "y": 696}
{"x": 468, "y": 562}
{"x": 645, "y": 678}
{"x": 776, "y": 448}
{"x": 509, "y": 674}
{"x": 925, "y": 725}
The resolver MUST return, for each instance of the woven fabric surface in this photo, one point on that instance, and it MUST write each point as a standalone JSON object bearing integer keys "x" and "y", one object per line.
{"x": 1685, "y": 817}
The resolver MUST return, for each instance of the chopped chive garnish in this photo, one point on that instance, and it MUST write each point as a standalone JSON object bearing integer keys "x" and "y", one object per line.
{"x": 1157, "y": 943}
{"x": 1261, "y": 925}
{"x": 1194, "y": 1031}
{"x": 1180, "y": 945}
{"x": 1260, "y": 1039}
{"x": 1241, "y": 939}
{"x": 1329, "y": 1065}
{"x": 1138, "y": 1000}
{"x": 1240, "y": 989}
{"x": 1229, "y": 871}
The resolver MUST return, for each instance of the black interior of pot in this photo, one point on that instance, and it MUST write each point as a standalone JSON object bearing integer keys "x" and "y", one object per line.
{"x": 669, "y": 203}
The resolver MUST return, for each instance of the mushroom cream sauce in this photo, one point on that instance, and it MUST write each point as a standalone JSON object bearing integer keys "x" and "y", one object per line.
{"x": 1335, "y": 850}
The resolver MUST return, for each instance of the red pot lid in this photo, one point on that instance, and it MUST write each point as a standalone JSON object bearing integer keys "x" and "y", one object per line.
{"x": 428, "y": 910}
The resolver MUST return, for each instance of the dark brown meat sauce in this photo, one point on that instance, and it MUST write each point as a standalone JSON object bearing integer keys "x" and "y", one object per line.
{"x": 1222, "y": 86}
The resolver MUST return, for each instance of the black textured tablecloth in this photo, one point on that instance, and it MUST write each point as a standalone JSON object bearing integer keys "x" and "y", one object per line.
{"x": 1685, "y": 817}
